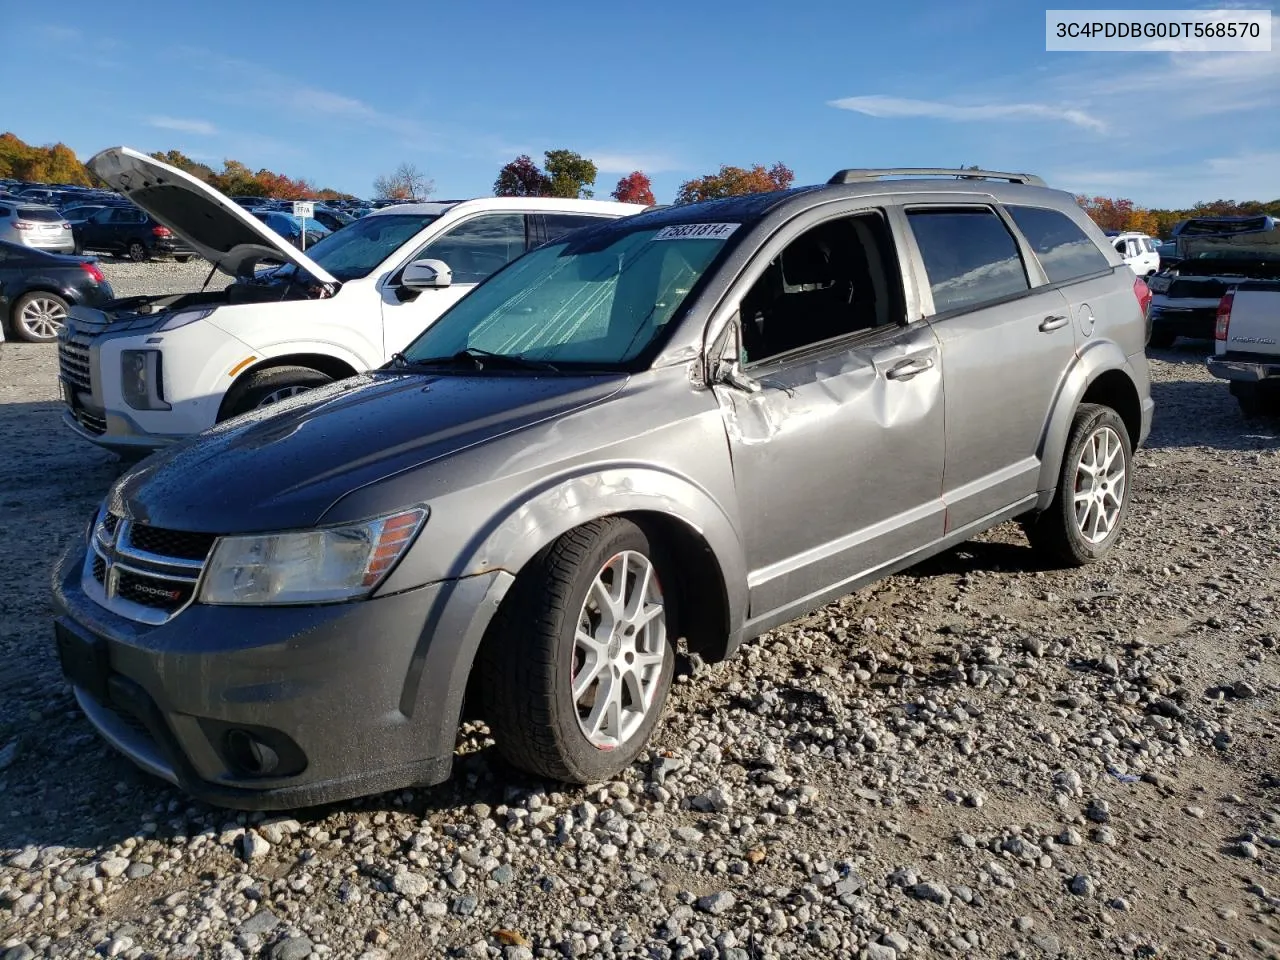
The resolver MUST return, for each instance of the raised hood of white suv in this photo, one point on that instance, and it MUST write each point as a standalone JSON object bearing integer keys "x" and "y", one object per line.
{"x": 216, "y": 228}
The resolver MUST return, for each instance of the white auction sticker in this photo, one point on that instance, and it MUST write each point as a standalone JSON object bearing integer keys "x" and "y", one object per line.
{"x": 697, "y": 231}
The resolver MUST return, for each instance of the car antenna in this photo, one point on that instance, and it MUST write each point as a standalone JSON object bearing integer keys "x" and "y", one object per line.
{"x": 208, "y": 278}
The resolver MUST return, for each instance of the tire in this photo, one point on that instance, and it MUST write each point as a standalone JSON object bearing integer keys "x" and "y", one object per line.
{"x": 1255, "y": 400}
{"x": 137, "y": 251}
{"x": 265, "y": 387}
{"x": 38, "y": 316}
{"x": 1161, "y": 339}
{"x": 1056, "y": 535}
{"x": 532, "y": 655}
{"x": 182, "y": 259}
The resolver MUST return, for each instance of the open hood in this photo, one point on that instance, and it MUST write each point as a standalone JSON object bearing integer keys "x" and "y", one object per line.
{"x": 216, "y": 228}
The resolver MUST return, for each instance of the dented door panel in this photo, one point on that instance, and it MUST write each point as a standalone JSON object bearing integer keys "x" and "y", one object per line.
{"x": 837, "y": 461}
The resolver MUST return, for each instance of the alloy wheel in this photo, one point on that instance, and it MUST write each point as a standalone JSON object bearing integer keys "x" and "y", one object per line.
{"x": 1100, "y": 485}
{"x": 284, "y": 393}
{"x": 619, "y": 649}
{"x": 43, "y": 317}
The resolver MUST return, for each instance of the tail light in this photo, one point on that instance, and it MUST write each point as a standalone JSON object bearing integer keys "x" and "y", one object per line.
{"x": 1224, "y": 316}
{"x": 66, "y": 225}
{"x": 1143, "y": 293}
{"x": 23, "y": 225}
{"x": 92, "y": 270}
{"x": 160, "y": 231}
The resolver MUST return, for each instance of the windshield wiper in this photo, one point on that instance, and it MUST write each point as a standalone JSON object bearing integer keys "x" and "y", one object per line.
{"x": 480, "y": 359}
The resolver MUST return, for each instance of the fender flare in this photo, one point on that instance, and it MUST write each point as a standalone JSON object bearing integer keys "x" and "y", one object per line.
{"x": 501, "y": 547}
{"x": 1097, "y": 358}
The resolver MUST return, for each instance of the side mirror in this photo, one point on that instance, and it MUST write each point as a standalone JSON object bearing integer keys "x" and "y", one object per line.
{"x": 426, "y": 275}
{"x": 724, "y": 363}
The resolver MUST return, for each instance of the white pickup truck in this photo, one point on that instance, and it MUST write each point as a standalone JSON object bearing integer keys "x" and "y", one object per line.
{"x": 1247, "y": 345}
{"x": 142, "y": 372}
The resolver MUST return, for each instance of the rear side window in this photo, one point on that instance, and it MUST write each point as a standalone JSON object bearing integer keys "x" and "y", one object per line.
{"x": 1063, "y": 249}
{"x": 5, "y": 211}
{"x": 39, "y": 215}
{"x": 969, "y": 255}
{"x": 1148, "y": 244}
{"x": 558, "y": 224}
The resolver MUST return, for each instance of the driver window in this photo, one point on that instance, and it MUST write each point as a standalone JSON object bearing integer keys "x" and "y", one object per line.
{"x": 476, "y": 248}
{"x": 836, "y": 279}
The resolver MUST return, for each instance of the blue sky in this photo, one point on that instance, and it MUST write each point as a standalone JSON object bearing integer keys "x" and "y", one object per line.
{"x": 340, "y": 92}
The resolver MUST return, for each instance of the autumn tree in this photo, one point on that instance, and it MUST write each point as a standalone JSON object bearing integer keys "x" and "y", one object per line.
{"x": 634, "y": 188}
{"x": 1107, "y": 212}
{"x": 176, "y": 158}
{"x": 732, "y": 181}
{"x": 567, "y": 174}
{"x": 522, "y": 178}
{"x": 407, "y": 183}
{"x": 572, "y": 175}
{"x": 49, "y": 164}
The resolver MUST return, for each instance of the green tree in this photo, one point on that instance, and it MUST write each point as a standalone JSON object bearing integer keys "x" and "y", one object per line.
{"x": 571, "y": 174}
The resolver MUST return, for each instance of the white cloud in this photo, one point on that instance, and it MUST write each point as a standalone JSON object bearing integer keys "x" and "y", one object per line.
{"x": 878, "y": 106}
{"x": 651, "y": 163}
{"x": 183, "y": 125}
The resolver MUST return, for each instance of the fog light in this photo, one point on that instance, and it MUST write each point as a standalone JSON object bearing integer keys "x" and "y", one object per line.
{"x": 249, "y": 754}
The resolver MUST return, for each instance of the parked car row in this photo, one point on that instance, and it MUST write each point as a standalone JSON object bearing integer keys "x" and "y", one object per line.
{"x": 504, "y": 453}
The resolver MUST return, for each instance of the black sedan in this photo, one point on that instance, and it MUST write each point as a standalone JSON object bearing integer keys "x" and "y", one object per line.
{"x": 37, "y": 288}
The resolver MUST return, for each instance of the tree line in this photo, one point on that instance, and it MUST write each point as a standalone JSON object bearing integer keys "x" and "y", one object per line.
{"x": 563, "y": 173}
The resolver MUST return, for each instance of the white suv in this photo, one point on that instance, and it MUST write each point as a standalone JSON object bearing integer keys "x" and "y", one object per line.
{"x": 1139, "y": 252}
{"x": 145, "y": 371}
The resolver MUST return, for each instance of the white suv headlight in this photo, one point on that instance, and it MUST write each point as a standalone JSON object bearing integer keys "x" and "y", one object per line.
{"x": 180, "y": 318}
{"x": 325, "y": 565}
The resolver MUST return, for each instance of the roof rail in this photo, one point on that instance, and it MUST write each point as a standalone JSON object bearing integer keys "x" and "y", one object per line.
{"x": 855, "y": 175}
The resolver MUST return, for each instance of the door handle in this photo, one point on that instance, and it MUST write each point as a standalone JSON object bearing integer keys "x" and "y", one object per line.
{"x": 909, "y": 368}
{"x": 1054, "y": 321}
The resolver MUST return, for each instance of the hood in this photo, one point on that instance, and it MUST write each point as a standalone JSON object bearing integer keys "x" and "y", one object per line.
{"x": 216, "y": 227}
{"x": 281, "y": 468}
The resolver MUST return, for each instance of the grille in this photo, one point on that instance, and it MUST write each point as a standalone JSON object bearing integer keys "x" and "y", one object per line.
{"x": 1197, "y": 290}
{"x": 109, "y": 522}
{"x": 90, "y": 422}
{"x": 99, "y": 569}
{"x": 73, "y": 362}
{"x": 152, "y": 591}
{"x": 171, "y": 543}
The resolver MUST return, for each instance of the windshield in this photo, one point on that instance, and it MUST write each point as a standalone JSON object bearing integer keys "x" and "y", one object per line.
{"x": 356, "y": 250}
{"x": 594, "y": 301}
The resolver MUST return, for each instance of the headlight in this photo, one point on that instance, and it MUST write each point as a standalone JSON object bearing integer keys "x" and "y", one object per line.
{"x": 183, "y": 317}
{"x": 309, "y": 566}
{"x": 140, "y": 380}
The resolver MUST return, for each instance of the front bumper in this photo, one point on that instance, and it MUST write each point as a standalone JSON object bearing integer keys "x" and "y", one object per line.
{"x": 1247, "y": 371}
{"x": 353, "y": 698}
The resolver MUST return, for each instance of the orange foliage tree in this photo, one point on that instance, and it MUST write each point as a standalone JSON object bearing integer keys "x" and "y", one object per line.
{"x": 634, "y": 188}
{"x": 731, "y": 181}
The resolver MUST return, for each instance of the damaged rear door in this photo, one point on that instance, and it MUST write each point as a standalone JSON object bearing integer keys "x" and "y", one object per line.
{"x": 836, "y": 432}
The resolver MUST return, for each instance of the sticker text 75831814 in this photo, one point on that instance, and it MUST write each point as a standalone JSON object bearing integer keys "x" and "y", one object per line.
{"x": 697, "y": 231}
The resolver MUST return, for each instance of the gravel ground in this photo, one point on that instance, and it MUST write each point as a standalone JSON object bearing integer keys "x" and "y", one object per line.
{"x": 130, "y": 279}
{"x": 976, "y": 758}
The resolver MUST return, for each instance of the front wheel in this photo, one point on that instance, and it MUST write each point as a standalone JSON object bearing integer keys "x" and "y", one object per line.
{"x": 263, "y": 388}
{"x": 579, "y": 661}
{"x": 1083, "y": 522}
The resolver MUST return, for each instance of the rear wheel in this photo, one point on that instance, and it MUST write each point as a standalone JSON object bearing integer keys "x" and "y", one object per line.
{"x": 137, "y": 251}
{"x": 264, "y": 388}
{"x": 579, "y": 662}
{"x": 182, "y": 258}
{"x": 1256, "y": 399}
{"x": 1161, "y": 339}
{"x": 1083, "y": 522}
{"x": 39, "y": 317}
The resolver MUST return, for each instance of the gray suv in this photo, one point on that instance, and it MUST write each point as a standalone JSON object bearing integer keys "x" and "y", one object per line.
{"x": 693, "y": 424}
